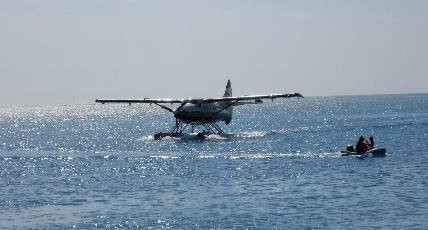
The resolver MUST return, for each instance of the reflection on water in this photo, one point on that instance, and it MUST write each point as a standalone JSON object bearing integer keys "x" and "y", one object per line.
{"x": 88, "y": 166}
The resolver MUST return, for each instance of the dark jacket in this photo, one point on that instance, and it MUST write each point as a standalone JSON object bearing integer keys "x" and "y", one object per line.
{"x": 362, "y": 147}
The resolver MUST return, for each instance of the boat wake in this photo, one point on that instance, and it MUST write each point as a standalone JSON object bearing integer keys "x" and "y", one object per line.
{"x": 251, "y": 134}
{"x": 267, "y": 156}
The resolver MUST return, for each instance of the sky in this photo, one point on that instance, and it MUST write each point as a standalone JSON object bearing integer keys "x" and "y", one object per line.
{"x": 75, "y": 51}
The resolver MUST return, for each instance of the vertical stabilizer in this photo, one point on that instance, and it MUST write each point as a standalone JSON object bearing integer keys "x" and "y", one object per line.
{"x": 228, "y": 91}
{"x": 228, "y": 105}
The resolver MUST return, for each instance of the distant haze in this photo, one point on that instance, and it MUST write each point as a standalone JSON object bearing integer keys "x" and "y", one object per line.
{"x": 55, "y": 51}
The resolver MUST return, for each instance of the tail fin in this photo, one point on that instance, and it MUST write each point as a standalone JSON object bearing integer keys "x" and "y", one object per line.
{"x": 228, "y": 91}
{"x": 229, "y": 107}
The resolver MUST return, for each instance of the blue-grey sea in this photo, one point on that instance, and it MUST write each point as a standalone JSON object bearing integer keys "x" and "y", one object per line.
{"x": 98, "y": 166}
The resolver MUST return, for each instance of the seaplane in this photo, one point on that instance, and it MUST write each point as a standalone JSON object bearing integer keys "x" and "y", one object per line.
{"x": 201, "y": 112}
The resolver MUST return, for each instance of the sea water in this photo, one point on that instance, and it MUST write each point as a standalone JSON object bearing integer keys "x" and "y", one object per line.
{"x": 98, "y": 166}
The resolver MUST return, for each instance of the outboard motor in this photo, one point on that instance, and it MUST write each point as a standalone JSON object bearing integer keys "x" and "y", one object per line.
{"x": 350, "y": 148}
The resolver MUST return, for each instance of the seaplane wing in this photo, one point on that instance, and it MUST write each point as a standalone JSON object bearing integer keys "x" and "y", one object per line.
{"x": 256, "y": 98}
{"x": 251, "y": 97}
{"x": 145, "y": 100}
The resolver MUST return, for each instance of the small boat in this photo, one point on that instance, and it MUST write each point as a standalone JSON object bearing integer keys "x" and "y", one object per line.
{"x": 376, "y": 152}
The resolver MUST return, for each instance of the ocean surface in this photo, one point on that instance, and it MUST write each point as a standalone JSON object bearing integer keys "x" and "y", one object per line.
{"x": 98, "y": 166}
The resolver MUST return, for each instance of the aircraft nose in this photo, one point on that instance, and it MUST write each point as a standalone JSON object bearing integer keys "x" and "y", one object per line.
{"x": 177, "y": 113}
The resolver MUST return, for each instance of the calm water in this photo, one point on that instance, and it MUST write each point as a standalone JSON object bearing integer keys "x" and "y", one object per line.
{"x": 88, "y": 166}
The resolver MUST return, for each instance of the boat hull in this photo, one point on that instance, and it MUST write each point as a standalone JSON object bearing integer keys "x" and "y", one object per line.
{"x": 377, "y": 152}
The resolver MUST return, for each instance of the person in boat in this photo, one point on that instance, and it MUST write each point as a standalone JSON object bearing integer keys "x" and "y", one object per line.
{"x": 371, "y": 144}
{"x": 362, "y": 146}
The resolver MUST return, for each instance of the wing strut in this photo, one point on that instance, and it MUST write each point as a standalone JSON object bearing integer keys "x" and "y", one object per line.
{"x": 164, "y": 107}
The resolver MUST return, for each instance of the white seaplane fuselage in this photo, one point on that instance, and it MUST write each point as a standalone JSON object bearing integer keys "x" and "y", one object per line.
{"x": 201, "y": 112}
